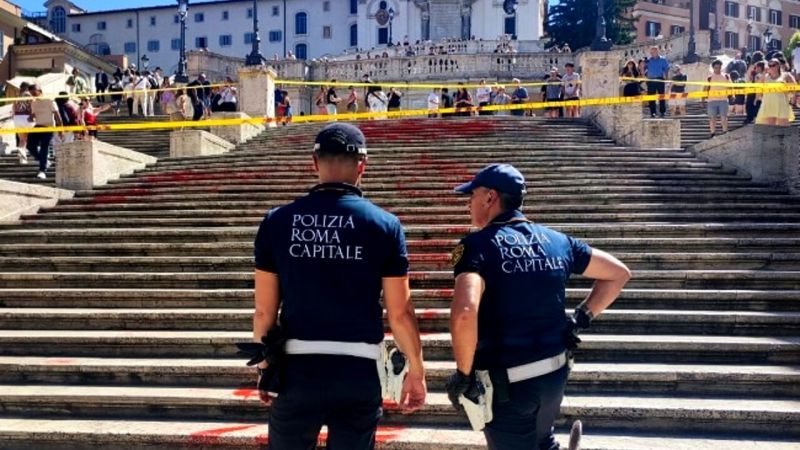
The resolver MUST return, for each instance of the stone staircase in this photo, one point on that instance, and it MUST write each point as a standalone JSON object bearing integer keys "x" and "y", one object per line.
{"x": 119, "y": 308}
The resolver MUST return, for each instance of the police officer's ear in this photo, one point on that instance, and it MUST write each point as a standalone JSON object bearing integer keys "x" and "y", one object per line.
{"x": 315, "y": 158}
{"x": 362, "y": 165}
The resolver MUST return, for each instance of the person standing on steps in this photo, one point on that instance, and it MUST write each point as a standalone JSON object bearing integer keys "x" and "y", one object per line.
{"x": 677, "y": 88}
{"x": 717, "y": 103}
{"x": 509, "y": 329}
{"x": 44, "y": 113}
{"x": 776, "y": 107}
{"x": 22, "y": 111}
{"x": 323, "y": 261}
{"x": 657, "y": 69}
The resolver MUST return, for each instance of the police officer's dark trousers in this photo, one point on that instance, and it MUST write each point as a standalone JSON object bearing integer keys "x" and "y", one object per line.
{"x": 525, "y": 421}
{"x": 342, "y": 392}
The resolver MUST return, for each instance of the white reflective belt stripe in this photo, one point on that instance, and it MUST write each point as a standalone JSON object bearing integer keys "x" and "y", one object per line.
{"x": 537, "y": 368}
{"x": 357, "y": 349}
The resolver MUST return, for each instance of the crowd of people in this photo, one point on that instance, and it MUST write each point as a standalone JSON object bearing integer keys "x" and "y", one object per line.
{"x": 145, "y": 93}
{"x": 764, "y": 108}
{"x": 33, "y": 110}
{"x": 485, "y": 100}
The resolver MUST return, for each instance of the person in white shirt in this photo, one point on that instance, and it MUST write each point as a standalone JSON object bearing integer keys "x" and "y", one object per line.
{"x": 571, "y": 82}
{"x": 433, "y": 103}
{"x": 796, "y": 60}
{"x": 140, "y": 94}
{"x": 484, "y": 97}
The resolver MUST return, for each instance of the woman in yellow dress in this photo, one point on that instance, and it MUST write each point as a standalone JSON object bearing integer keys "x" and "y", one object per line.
{"x": 775, "y": 108}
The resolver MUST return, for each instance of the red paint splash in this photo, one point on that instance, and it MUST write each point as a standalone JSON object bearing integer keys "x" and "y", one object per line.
{"x": 214, "y": 435}
{"x": 382, "y": 435}
{"x": 245, "y": 394}
{"x": 58, "y": 362}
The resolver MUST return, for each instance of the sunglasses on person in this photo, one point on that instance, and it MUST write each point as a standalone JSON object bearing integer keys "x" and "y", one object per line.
{"x": 774, "y": 65}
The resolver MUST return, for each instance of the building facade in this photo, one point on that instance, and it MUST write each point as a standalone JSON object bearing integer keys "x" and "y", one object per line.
{"x": 740, "y": 23}
{"x": 307, "y": 28}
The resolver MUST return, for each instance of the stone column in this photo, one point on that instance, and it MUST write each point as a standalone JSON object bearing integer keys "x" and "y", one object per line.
{"x": 257, "y": 91}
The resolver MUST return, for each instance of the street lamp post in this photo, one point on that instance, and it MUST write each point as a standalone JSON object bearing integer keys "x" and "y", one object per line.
{"x": 691, "y": 52}
{"x": 601, "y": 43}
{"x": 255, "y": 58}
{"x": 180, "y": 75}
{"x": 715, "y": 42}
{"x": 391, "y": 18}
{"x": 767, "y": 42}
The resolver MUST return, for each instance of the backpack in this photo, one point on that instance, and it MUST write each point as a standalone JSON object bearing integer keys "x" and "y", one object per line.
{"x": 153, "y": 83}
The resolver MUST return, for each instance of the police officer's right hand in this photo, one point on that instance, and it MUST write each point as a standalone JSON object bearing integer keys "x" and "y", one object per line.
{"x": 571, "y": 339}
{"x": 458, "y": 384}
{"x": 576, "y": 323}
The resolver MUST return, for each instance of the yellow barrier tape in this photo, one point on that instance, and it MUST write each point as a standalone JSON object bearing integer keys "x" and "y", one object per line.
{"x": 607, "y": 101}
{"x": 692, "y": 83}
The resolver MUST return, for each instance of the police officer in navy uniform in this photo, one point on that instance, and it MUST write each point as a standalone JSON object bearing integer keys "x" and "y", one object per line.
{"x": 323, "y": 260}
{"x": 508, "y": 313}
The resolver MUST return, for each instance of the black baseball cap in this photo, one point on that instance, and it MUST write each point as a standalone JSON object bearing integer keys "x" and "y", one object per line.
{"x": 500, "y": 177}
{"x": 341, "y": 138}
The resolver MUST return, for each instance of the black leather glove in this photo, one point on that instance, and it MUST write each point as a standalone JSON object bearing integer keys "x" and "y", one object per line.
{"x": 458, "y": 384}
{"x": 576, "y": 323}
{"x": 270, "y": 349}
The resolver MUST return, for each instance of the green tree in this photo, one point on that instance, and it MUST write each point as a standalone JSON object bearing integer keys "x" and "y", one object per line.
{"x": 794, "y": 41}
{"x": 573, "y": 22}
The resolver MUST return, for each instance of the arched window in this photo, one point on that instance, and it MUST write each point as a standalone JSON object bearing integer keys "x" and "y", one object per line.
{"x": 382, "y": 5}
{"x": 301, "y": 51}
{"x": 301, "y": 23}
{"x": 58, "y": 20}
{"x": 354, "y": 35}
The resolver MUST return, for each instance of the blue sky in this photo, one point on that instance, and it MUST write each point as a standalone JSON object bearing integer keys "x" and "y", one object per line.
{"x": 98, "y": 5}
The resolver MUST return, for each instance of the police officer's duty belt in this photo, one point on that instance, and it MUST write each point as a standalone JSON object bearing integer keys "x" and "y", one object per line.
{"x": 536, "y": 368}
{"x": 357, "y": 349}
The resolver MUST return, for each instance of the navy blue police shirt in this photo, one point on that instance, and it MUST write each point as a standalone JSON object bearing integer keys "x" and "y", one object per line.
{"x": 525, "y": 268}
{"x": 330, "y": 250}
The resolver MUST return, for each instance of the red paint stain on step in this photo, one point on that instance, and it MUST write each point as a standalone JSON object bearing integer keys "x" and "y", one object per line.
{"x": 212, "y": 436}
{"x": 59, "y": 361}
{"x": 382, "y": 435}
{"x": 245, "y": 394}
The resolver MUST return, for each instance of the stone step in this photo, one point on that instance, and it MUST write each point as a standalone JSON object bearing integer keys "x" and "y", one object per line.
{"x": 444, "y": 182}
{"x": 643, "y": 413}
{"x": 237, "y": 248}
{"x": 559, "y": 165}
{"x": 617, "y": 321}
{"x": 673, "y": 299}
{"x": 660, "y": 279}
{"x": 159, "y": 198}
{"x": 689, "y": 349}
{"x": 586, "y": 378}
{"x": 94, "y": 234}
{"x": 653, "y": 260}
{"x": 391, "y": 156}
{"x": 606, "y": 201}
{"x": 380, "y": 165}
{"x": 411, "y": 206}
{"x": 56, "y": 434}
{"x": 50, "y": 221}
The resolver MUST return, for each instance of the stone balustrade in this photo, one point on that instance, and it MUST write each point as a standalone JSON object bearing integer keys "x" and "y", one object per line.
{"x": 769, "y": 154}
{"x": 468, "y": 60}
{"x": 17, "y": 199}
{"x": 82, "y": 165}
